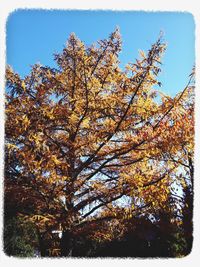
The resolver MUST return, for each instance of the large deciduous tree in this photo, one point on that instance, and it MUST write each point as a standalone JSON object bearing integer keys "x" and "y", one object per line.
{"x": 89, "y": 142}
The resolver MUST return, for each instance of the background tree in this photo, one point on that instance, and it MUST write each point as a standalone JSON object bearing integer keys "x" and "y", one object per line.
{"x": 20, "y": 240}
{"x": 87, "y": 142}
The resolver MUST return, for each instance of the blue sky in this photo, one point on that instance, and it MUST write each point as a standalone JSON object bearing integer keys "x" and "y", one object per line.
{"x": 33, "y": 36}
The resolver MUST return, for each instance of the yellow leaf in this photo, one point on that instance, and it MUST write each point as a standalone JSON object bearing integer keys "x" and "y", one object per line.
{"x": 85, "y": 123}
{"x": 23, "y": 85}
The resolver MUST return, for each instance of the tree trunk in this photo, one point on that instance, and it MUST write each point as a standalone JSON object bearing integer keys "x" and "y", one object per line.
{"x": 66, "y": 244}
{"x": 187, "y": 220}
{"x": 42, "y": 246}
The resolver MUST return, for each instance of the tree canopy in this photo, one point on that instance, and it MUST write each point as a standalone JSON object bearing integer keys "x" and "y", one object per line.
{"x": 88, "y": 142}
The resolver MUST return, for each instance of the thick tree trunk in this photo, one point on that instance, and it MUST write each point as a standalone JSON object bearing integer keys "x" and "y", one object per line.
{"x": 66, "y": 244}
{"x": 42, "y": 246}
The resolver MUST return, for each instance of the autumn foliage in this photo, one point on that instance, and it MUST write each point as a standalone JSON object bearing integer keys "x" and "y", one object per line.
{"x": 89, "y": 144}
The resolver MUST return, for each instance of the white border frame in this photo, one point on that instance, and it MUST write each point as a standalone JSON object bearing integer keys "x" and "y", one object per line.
{"x": 8, "y": 6}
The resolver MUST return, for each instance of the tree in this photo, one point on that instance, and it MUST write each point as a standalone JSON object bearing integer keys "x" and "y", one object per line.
{"x": 19, "y": 240}
{"x": 87, "y": 138}
{"x": 180, "y": 153}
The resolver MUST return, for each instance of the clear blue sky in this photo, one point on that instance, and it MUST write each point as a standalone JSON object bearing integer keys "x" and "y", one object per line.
{"x": 35, "y": 35}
